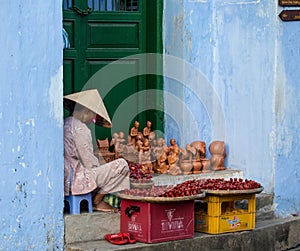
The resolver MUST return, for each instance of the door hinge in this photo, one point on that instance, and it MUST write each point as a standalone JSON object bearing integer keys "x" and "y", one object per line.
{"x": 82, "y": 12}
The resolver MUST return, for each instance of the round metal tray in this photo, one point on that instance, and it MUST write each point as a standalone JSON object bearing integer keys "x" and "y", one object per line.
{"x": 232, "y": 192}
{"x": 160, "y": 199}
{"x": 141, "y": 185}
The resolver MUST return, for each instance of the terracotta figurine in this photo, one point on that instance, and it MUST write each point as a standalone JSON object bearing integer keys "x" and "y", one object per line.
{"x": 218, "y": 153}
{"x": 134, "y": 132}
{"x": 147, "y": 129}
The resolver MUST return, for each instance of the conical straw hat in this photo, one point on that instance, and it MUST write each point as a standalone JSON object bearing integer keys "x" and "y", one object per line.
{"x": 92, "y": 100}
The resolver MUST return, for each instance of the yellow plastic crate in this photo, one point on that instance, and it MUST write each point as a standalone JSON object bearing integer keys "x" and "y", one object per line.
{"x": 216, "y": 214}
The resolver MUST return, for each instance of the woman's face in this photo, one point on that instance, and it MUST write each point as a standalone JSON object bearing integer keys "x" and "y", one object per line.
{"x": 89, "y": 116}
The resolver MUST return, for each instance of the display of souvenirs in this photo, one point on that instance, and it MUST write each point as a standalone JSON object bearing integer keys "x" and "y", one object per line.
{"x": 156, "y": 156}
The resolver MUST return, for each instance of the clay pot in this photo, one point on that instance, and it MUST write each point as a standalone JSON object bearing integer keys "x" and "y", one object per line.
{"x": 186, "y": 166}
{"x": 197, "y": 166}
{"x": 205, "y": 165}
{"x": 174, "y": 170}
{"x": 217, "y": 147}
{"x": 201, "y": 149}
{"x": 217, "y": 162}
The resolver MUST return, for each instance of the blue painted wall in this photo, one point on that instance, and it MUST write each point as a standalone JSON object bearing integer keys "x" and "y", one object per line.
{"x": 250, "y": 58}
{"x": 31, "y": 150}
{"x": 239, "y": 82}
{"x": 286, "y": 103}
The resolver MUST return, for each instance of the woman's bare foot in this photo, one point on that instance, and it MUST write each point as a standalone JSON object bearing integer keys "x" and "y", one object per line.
{"x": 102, "y": 206}
{"x": 97, "y": 198}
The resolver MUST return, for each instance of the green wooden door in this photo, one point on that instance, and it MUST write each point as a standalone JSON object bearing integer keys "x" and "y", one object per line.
{"x": 103, "y": 31}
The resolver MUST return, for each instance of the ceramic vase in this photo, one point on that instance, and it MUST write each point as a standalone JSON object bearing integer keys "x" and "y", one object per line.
{"x": 197, "y": 166}
{"x": 186, "y": 166}
{"x": 201, "y": 149}
{"x": 217, "y": 147}
{"x": 217, "y": 162}
{"x": 205, "y": 165}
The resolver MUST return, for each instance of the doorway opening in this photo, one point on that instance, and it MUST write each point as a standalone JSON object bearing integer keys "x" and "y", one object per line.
{"x": 104, "y": 31}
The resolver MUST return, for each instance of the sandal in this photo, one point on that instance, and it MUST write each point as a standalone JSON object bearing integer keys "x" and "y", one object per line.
{"x": 116, "y": 239}
{"x": 130, "y": 238}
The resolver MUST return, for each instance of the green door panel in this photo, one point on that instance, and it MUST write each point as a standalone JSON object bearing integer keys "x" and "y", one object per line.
{"x": 102, "y": 37}
{"x": 127, "y": 35}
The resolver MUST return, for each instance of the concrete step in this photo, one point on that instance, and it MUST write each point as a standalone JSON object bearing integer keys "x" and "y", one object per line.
{"x": 268, "y": 235}
{"x": 90, "y": 226}
{"x": 265, "y": 208}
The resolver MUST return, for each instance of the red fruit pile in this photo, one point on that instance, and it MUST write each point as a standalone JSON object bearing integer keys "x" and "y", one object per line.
{"x": 138, "y": 174}
{"x": 231, "y": 184}
{"x": 193, "y": 187}
{"x": 154, "y": 191}
{"x": 187, "y": 188}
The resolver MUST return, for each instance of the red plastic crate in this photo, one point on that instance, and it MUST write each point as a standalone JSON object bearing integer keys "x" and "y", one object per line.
{"x": 157, "y": 222}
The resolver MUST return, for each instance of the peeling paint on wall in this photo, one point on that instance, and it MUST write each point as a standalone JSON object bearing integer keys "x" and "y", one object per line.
{"x": 56, "y": 96}
{"x": 30, "y": 122}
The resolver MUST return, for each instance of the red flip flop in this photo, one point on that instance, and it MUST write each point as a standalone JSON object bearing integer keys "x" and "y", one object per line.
{"x": 130, "y": 238}
{"x": 117, "y": 239}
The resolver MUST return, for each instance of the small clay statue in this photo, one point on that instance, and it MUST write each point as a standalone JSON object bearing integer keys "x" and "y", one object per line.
{"x": 185, "y": 160}
{"x": 128, "y": 147}
{"x": 173, "y": 158}
{"x": 186, "y": 153}
{"x": 114, "y": 142}
{"x": 118, "y": 141}
{"x": 114, "y": 139}
{"x": 153, "y": 145}
{"x": 174, "y": 170}
{"x": 152, "y": 139}
{"x": 163, "y": 166}
{"x": 217, "y": 150}
{"x": 139, "y": 141}
{"x": 200, "y": 149}
{"x": 174, "y": 151}
{"x": 147, "y": 129}
{"x": 144, "y": 151}
{"x": 157, "y": 151}
{"x": 134, "y": 132}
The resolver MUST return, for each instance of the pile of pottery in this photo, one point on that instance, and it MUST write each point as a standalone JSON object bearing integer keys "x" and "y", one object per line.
{"x": 155, "y": 155}
{"x": 193, "y": 157}
{"x": 138, "y": 148}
